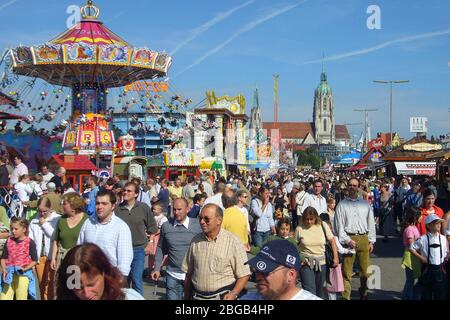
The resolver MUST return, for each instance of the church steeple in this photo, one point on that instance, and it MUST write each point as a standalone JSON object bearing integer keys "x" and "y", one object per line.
{"x": 255, "y": 116}
{"x": 323, "y": 113}
{"x": 255, "y": 98}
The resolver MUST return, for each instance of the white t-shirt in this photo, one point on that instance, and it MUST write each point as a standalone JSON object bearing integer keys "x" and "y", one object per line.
{"x": 160, "y": 220}
{"x": 45, "y": 179}
{"x": 302, "y": 294}
{"x": 216, "y": 199}
{"x": 437, "y": 255}
{"x": 131, "y": 294}
{"x": 18, "y": 171}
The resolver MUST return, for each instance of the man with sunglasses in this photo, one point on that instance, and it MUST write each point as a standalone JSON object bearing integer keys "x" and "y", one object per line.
{"x": 355, "y": 226}
{"x": 276, "y": 269}
{"x": 215, "y": 261}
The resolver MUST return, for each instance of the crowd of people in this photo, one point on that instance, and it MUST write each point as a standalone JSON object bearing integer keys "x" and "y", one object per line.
{"x": 297, "y": 235}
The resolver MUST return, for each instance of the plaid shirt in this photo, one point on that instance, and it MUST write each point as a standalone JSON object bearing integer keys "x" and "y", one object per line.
{"x": 214, "y": 264}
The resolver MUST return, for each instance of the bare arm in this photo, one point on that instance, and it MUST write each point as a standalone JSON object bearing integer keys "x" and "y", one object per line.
{"x": 54, "y": 253}
{"x": 238, "y": 287}
{"x": 4, "y": 273}
{"x": 418, "y": 255}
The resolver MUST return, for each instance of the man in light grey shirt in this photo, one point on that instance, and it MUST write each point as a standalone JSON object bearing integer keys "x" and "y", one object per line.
{"x": 355, "y": 226}
{"x": 188, "y": 191}
{"x": 174, "y": 241}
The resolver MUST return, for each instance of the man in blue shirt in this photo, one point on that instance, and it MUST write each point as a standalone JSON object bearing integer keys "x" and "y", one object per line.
{"x": 92, "y": 182}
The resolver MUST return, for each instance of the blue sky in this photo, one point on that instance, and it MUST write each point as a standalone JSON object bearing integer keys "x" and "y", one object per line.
{"x": 232, "y": 46}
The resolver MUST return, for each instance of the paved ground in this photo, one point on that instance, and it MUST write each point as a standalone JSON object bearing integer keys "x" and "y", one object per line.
{"x": 387, "y": 256}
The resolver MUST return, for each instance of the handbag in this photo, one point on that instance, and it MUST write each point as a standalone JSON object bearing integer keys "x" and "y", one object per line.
{"x": 329, "y": 256}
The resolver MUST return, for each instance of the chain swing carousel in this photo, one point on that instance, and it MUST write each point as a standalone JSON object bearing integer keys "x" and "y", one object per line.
{"x": 90, "y": 60}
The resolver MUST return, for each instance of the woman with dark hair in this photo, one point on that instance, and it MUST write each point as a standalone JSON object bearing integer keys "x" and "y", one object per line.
{"x": 263, "y": 210}
{"x": 99, "y": 279}
{"x": 312, "y": 235}
{"x": 386, "y": 222}
{"x": 280, "y": 200}
{"x": 411, "y": 263}
{"x": 428, "y": 207}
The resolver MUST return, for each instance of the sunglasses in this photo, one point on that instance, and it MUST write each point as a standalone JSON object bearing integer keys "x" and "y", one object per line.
{"x": 206, "y": 219}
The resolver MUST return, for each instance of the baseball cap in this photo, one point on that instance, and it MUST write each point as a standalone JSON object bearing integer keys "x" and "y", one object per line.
{"x": 51, "y": 186}
{"x": 276, "y": 253}
{"x": 432, "y": 218}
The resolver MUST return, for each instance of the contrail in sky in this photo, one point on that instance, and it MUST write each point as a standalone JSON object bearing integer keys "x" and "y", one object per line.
{"x": 206, "y": 26}
{"x": 381, "y": 46}
{"x": 3, "y": 6}
{"x": 249, "y": 26}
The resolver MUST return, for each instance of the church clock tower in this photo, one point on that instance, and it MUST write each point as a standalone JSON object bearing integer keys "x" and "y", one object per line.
{"x": 323, "y": 113}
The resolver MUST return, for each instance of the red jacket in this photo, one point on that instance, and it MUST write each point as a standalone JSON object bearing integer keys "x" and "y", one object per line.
{"x": 421, "y": 225}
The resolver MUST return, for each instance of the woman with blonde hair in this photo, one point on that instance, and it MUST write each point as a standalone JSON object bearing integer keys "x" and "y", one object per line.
{"x": 312, "y": 236}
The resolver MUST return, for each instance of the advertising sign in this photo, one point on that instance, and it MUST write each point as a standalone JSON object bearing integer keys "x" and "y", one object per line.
{"x": 416, "y": 168}
{"x": 418, "y": 124}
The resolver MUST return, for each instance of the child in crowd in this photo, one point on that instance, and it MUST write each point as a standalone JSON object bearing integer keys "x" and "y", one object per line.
{"x": 284, "y": 231}
{"x": 17, "y": 262}
{"x": 331, "y": 205}
{"x": 432, "y": 251}
{"x": 160, "y": 218}
{"x": 410, "y": 262}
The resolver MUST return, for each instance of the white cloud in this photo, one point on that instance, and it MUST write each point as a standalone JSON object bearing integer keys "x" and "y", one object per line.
{"x": 248, "y": 27}
{"x": 206, "y": 26}
{"x": 381, "y": 46}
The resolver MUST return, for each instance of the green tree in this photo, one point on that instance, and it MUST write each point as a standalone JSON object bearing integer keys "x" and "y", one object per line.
{"x": 308, "y": 158}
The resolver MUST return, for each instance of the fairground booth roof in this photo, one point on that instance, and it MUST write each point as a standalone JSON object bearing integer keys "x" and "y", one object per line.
{"x": 416, "y": 149}
{"x": 89, "y": 53}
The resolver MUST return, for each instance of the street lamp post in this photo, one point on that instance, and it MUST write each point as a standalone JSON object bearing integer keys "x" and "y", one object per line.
{"x": 390, "y": 82}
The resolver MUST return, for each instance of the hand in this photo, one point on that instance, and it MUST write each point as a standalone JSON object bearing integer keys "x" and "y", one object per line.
{"x": 423, "y": 259}
{"x": 352, "y": 244}
{"x": 53, "y": 264}
{"x": 230, "y": 296}
{"x": 335, "y": 262}
{"x": 155, "y": 275}
{"x": 149, "y": 248}
{"x": 370, "y": 247}
{"x": 41, "y": 221}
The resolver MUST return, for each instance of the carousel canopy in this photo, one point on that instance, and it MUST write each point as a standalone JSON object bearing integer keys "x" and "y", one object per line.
{"x": 89, "y": 54}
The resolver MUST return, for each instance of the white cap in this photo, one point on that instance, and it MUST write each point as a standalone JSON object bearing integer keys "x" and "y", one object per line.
{"x": 432, "y": 218}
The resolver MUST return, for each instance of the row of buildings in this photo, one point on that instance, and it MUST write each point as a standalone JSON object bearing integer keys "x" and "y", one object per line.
{"x": 222, "y": 130}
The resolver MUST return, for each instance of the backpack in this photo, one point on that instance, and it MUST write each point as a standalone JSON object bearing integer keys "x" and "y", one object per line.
{"x": 34, "y": 195}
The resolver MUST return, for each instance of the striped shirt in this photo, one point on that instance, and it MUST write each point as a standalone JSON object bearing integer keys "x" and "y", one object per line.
{"x": 113, "y": 237}
{"x": 214, "y": 264}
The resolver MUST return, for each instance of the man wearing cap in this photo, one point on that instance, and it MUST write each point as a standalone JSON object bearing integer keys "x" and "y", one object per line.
{"x": 215, "y": 261}
{"x": 355, "y": 226}
{"x": 276, "y": 268}
{"x": 432, "y": 250}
